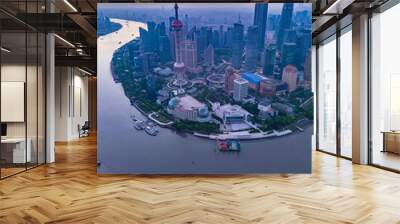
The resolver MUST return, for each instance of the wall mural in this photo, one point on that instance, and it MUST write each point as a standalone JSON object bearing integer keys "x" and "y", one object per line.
{"x": 204, "y": 88}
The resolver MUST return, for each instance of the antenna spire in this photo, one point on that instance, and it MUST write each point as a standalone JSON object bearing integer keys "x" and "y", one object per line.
{"x": 176, "y": 10}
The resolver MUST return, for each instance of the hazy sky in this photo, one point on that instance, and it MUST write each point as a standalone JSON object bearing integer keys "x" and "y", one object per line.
{"x": 272, "y": 7}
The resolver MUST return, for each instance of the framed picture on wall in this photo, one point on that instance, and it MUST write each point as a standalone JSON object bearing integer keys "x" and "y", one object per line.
{"x": 204, "y": 88}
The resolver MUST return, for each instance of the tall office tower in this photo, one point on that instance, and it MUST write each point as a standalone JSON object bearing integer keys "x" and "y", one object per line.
{"x": 228, "y": 37}
{"x": 230, "y": 76}
{"x": 152, "y": 35}
{"x": 161, "y": 30}
{"x": 303, "y": 42}
{"x": 186, "y": 26}
{"x": 191, "y": 35}
{"x": 289, "y": 53}
{"x": 189, "y": 53}
{"x": 145, "y": 61}
{"x": 144, "y": 40}
{"x": 289, "y": 75}
{"x": 221, "y": 35}
{"x": 202, "y": 40}
{"x": 209, "y": 36}
{"x": 269, "y": 61}
{"x": 209, "y": 55}
{"x": 260, "y": 20}
{"x": 251, "y": 49}
{"x": 237, "y": 45}
{"x": 179, "y": 66}
{"x": 240, "y": 89}
{"x": 285, "y": 23}
{"x": 215, "y": 39}
{"x": 165, "y": 49}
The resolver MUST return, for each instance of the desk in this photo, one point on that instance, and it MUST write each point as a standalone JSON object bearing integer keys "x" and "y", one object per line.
{"x": 19, "y": 155}
{"x": 391, "y": 141}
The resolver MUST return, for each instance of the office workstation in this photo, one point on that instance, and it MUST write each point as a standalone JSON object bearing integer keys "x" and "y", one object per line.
{"x": 15, "y": 144}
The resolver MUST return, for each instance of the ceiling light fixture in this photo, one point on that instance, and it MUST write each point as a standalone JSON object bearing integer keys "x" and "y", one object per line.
{"x": 64, "y": 40}
{"x": 84, "y": 71}
{"x": 5, "y": 50}
{"x": 70, "y": 5}
{"x": 337, "y": 7}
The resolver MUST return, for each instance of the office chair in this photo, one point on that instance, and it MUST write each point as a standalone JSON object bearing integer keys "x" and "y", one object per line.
{"x": 84, "y": 130}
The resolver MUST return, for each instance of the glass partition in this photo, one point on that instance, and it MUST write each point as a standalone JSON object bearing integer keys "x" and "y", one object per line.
{"x": 327, "y": 96}
{"x": 22, "y": 78}
{"x": 14, "y": 153}
{"x": 346, "y": 92}
{"x": 385, "y": 89}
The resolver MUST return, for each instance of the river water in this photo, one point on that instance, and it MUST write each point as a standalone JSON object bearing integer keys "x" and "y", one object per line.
{"x": 124, "y": 150}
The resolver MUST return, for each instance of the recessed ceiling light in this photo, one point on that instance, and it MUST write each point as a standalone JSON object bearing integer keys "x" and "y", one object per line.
{"x": 70, "y": 5}
{"x": 5, "y": 50}
{"x": 84, "y": 71}
{"x": 64, "y": 40}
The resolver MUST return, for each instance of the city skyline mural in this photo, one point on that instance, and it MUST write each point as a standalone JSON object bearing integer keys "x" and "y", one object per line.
{"x": 204, "y": 88}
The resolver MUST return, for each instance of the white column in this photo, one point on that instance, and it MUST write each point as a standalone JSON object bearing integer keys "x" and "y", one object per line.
{"x": 360, "y": 90}
{"x": 50, "y": 99}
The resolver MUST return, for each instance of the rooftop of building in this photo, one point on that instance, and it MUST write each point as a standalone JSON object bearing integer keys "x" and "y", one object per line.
{"x": 229, "y": 110}
{"x": 188, "y": 102}
{"x": 241, "y": 81}
{"x": 252, "y": 77}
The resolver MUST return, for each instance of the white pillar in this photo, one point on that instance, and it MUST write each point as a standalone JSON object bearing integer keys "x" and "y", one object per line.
{"x": 50, "y": 99}
{"x": 360, "y": 90}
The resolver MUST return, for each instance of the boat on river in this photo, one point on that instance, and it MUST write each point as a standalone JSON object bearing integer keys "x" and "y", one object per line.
{"x": 228, "y": 145}
{"x": 139, "y": 125}
{"x": 151, "y": 130}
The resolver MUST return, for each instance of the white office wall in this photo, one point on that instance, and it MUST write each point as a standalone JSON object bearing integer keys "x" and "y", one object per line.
{"x": 17, "y": 73}
{"x": 71, "y": 102}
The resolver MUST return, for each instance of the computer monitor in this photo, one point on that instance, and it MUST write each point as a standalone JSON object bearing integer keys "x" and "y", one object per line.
{"x": 3, "y": 129}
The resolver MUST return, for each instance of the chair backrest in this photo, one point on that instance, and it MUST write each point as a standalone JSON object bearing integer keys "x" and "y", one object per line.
{"x": 86, "y": 125}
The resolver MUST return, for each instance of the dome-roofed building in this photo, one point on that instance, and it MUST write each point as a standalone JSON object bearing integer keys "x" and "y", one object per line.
{"x": 188, "y": 108}
{"x": 173, "y": 103}
{"x": 203, "y": 113}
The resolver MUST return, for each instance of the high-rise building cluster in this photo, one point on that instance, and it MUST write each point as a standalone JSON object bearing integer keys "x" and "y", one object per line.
{"x": 269, "y": 56}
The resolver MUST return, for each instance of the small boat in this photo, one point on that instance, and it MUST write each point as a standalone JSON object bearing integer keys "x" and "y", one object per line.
{"x": 228, "y": 145}
{"x": 151, "y": 130}
{"x": 133, "y": 117}
{"x": 139, "y": 125}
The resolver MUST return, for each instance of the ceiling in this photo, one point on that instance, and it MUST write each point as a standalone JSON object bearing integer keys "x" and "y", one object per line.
{"x": 75, "y": 22}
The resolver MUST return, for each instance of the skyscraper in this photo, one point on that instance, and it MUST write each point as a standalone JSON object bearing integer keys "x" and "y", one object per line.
{"x": 179, "y": 66}
{"x": 285, "y": 23}
{"x": 161, "y": 29}
{"x": 209, "y": 55}
{"x": 240, "y": 89}
{"x": 251, "y": 49}
{"x": 269, "y": 60}
{"x": 152, "y": 35}
{"x": 260, "y": 20}
{"x": 237, "y": 45}
{"x": 203, "y": 39}
{"x": 230, "y": 76}
{"x": 289, "y": 75}
{"x": 165, "y": 49}
{"x": 189, "y": 53}
{"x": 289, "y": 53}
